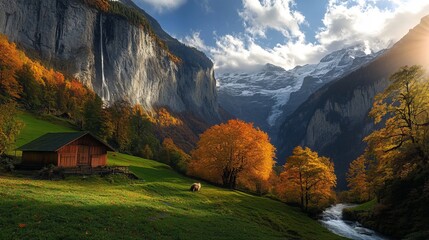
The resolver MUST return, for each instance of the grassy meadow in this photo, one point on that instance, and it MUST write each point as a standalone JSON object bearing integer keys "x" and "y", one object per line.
{"x": 157, "y": 206}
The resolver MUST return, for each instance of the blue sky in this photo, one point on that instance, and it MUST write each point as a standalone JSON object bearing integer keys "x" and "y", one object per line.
{"x": 243, "y": 35}
{"x": 222, "y": 17}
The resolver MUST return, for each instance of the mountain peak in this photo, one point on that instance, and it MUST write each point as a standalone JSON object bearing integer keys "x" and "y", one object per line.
{"x": 272, "y": 68}
{"x": 354, "y": 51}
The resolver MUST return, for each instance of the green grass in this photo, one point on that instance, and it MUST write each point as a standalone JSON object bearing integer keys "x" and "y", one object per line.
{"x": 368, "y": 206}
{"x": 36, "y": 127}
{"x": 158, "y": 206}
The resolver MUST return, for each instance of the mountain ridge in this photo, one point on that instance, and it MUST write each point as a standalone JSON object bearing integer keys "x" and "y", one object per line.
{"x": 270, "y": 91}
{"x": 335, "y": 124}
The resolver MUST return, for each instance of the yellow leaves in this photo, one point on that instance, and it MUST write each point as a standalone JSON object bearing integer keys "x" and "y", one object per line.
{"x": 168, "y": 144}
{"x": 398, "y": 149}
{"x": 10, "y": 127}
{"x": 13, "y": 60}
{"x": 38, "y": 72}
{"x": 9, "y": 64}
{"x": 174, "y": 58}
{"x": 9, "y": 54}
{"x": 308, "y": 177}
{"x": 233, "y": 152}
{"x": 358, "y": 181}
{"x": 379, "y": 109}
{"x": 406, "y": 104}
{"x": 165, "y": 119}
{"x": 138, "y": 111}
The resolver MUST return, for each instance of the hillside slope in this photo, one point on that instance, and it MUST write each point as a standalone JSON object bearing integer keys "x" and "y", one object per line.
{"x": 159, "y": 206}
{"x": 117, "y": 58}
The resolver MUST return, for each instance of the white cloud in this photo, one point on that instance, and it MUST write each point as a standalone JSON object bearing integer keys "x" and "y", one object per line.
{"x": 195, "y": 41}
{"x": 232, "y": 54}
{"x": 272, "y": 14}
{"x": 162, "y": 5}
{"x": 346, "y": 23}
{"x": 361, "y": 22}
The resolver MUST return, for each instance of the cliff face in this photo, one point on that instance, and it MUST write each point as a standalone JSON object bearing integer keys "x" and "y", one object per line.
{"x": 268, "y": 96}
{"x": 334, "y": 120}
{"x": 116, "y": 59}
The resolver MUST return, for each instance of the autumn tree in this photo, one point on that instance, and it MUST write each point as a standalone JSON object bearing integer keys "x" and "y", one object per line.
{"x": 92, "y": 115}
{"x": 10, "y": 62}
{"x": 31, "y": 89}
{"x": 400, "y": 146}
{"x": 9, "y": 126}
{"x": 147, "y": 152}
{"x": 358, "y": 181}
{"x": 172, "y": 155}
{"x": 96, "y": 119}
{"x": 397, "y": 154}
{"x": 120, "y": 112}
{"x": 308, "y": 177}
{"x": 231, "y": 153}
{"x": 144, "y": 142}
{"x": 404, "y": 106}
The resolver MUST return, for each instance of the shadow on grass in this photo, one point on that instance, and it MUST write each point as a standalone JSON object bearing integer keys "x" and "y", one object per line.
{"x": 160, "y": 174}
{"x": 177, "y": 215}
{"x": 161, "y": 207}
{"x": 32, "y": 219}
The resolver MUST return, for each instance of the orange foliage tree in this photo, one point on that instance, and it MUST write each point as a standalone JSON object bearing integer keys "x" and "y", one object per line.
{"x": 402, "y": 144}
{"x": 10, "y": 62}
{"x": 357, "y": 180}
{"x": 37, "y": 87}
{"x": 174, "y": 156}
{"x": 9, "y": 126}
{"x": 400, "y": 148}
{"x": 307, "y": 178}
{"x": 231, "y": 153}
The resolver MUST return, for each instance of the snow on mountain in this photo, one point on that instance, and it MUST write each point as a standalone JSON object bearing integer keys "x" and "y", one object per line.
{"x": 260, "y": 97}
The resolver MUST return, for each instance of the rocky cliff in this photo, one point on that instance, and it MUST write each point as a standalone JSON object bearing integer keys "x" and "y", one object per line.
{"x": 334, "y": 120}
{"x": 115, "y": 58}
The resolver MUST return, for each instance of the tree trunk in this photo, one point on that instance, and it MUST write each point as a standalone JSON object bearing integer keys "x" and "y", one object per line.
{"x": 302, "y": 190}
{"x": 229, "y": 178}
{"x": 306, "y": 200}
{"x": 225, "y": 177}
{"x": 234, "y": 181}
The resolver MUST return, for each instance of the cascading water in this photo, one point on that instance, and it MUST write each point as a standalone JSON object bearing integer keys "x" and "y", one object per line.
{"x": 332, "y": 219}
{"x": 105, "y": 94}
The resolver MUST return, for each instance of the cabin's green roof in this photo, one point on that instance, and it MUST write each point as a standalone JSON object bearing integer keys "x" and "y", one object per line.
{"x": 52, "y": 142}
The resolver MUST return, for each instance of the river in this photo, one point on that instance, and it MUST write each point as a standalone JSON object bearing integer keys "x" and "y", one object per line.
{"x": 332, "y": 219}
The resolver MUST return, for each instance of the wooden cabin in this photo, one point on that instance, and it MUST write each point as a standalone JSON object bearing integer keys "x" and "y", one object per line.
{"x": 66, "y": 150}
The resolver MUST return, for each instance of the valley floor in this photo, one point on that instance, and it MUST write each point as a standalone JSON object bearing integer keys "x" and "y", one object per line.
{"x": 157, "y": 206}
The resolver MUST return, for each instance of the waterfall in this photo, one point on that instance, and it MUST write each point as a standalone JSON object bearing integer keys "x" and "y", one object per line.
{"x": 105, "y": 94}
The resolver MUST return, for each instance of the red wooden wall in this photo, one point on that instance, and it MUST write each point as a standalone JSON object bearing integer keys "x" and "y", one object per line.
{"x": 85, "y": 151}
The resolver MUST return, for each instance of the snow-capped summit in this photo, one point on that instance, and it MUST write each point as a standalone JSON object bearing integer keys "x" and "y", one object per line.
{"x": 272, "y": 68}
{"x": 261, "y": 97}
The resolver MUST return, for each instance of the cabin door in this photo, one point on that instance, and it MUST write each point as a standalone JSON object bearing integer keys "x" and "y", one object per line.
{"x": 83, "y": 158}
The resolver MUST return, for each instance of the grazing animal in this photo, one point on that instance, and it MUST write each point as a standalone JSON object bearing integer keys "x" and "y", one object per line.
{"x": 195, "y": 187}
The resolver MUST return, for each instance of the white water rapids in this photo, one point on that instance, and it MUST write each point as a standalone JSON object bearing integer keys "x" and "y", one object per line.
{"x": 105, "y": 94}
{"x": 332, "y": 219}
